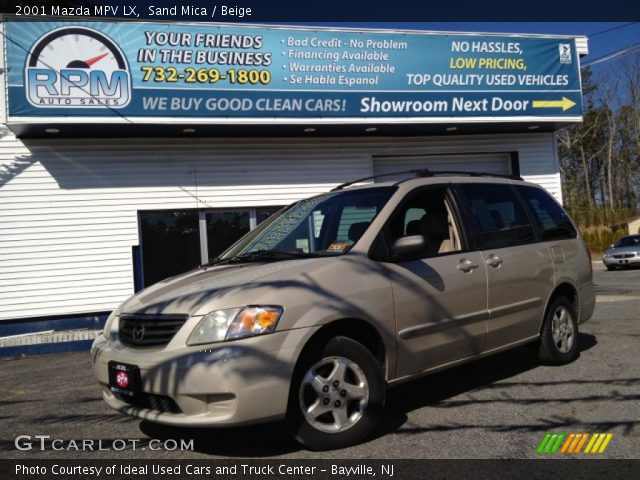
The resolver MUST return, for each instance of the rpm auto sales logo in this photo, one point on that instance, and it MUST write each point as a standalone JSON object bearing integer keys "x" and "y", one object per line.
{"x": 77, "y": 67}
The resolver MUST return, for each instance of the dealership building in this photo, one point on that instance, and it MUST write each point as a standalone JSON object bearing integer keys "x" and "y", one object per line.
{"x": 131, "y": 151}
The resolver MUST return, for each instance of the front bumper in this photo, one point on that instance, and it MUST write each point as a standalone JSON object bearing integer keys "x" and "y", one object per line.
{"x": 230, "y": 383}
{"x": 621, "y": 262}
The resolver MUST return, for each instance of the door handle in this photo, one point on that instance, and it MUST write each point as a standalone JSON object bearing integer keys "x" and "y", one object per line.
{"x": 494, "y": 261}
{"x": 466, "y": 265}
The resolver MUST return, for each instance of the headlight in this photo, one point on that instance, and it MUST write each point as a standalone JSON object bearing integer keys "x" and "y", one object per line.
{"x": 108, "y": 324}
{"x": 234, "y": 323}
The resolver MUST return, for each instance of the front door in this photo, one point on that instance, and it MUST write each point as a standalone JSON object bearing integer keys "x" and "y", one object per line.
{"x": 440, "y": 295}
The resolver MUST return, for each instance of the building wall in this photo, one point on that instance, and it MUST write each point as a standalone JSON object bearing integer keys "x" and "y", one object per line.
{"x": 68, "y": 208}
{"x": 634, "y": 227}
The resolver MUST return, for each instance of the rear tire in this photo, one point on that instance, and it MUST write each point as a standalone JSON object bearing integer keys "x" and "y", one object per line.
{"x": 337, "y": 395}
{"x": 559, "y": 336}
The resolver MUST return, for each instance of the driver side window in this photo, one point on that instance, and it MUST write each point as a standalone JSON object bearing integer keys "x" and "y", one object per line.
{"x": 428, "y": 214}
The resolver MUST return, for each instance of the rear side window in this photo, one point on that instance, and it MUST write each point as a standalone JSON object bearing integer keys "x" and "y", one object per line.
{"x": 553, "y": 219}
{"x": 499, "y": 214}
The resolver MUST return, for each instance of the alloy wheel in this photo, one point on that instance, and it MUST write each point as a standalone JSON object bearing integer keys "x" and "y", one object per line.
{"x": 562, "y": 329}
{"x": 334, "y": 394}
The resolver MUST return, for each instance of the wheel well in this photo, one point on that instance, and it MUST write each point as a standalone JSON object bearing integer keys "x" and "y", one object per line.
{"x": 353, "y": 328}
{"x": 569, "y": 292}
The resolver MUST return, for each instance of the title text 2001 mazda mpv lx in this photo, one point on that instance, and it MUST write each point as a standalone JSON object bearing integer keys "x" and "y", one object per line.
{"x": 310, "y": 316}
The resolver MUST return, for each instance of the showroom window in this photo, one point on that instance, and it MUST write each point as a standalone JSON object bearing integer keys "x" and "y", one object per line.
{"x": 176, "y": 241}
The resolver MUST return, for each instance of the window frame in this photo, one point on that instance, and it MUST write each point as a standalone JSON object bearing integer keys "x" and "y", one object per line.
{"x": 381, "y": 248}
{"x": 330, "y": 228}
{"x": 537, "y": 222}
{"x": 475, "y": 227}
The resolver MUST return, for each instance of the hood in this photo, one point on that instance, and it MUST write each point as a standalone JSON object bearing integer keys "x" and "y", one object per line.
{"x": 208, "y": 288}
{"x": 627, "y": 249}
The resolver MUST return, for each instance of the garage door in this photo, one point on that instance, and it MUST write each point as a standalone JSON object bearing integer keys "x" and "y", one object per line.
{"x": 483, "y": 162}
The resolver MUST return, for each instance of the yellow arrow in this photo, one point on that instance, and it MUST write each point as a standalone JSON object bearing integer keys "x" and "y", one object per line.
{"x": 565, "y": 104}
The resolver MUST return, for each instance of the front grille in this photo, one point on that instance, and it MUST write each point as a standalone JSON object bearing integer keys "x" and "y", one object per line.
{"x": 625, "y": 255}
{"x": 149, "y": 330}
{"x": 148, "y": 401}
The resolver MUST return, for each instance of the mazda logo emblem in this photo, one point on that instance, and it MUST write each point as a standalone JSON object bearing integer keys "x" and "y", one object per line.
{"x": 138, "y": 333}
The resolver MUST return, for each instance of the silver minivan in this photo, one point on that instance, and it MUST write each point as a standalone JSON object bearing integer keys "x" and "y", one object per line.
{"x": 311, "y": 316}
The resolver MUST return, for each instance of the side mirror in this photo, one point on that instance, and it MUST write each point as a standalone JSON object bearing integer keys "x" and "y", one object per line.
{"x": 612, "y": 245}
{"x": 408, "y": 245}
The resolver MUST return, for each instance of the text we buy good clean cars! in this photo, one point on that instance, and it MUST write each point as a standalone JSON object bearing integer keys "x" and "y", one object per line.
{"x": 313, "y": 314}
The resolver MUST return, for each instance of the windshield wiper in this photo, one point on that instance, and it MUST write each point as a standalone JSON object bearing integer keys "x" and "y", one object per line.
{"x": 275, "y": 253}
{"x": 261, "y": 255}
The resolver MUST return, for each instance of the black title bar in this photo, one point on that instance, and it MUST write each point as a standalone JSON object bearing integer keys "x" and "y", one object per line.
{"x": 317, "y": 11}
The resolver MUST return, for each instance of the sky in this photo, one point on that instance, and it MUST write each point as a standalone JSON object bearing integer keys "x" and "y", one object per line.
{"x": 604, "y": 37}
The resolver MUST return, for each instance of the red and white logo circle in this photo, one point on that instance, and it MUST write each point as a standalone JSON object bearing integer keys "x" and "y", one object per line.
{"x": 122, "y": 379}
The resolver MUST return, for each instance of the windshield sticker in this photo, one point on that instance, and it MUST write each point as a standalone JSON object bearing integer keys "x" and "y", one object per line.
{"x": 337, "y": 247}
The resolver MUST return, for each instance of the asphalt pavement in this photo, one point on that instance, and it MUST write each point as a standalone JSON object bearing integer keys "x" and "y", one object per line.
{"x": 498, "y": 407}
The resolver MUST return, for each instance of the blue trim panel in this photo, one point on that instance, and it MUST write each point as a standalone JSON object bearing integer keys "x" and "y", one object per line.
{"x": 94, "y": 321}
{"x": 138, "y": 276}
{"x": 45, "y": 348}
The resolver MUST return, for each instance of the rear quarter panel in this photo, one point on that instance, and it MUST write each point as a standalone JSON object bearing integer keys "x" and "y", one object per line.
{"x": 574, "y": 267}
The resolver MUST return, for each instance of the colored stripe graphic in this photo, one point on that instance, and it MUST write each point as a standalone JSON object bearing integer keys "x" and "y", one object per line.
{"x": 582, "y": 442}
{"x": 594, "y": 437}
{"x": 573, "y": 443}
{"x": 543, "y": 443}
{"x": 550, "y": 443}
{"x": 556, "y": 445}
{"x": 605, "y": 443}
{"x": 565, "y": 447}
{"x": 598, "y": 442}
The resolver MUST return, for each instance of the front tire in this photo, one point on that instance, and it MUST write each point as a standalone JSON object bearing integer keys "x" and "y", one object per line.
{"x": 337, "y": 396}
{"x": 559, "y": 336}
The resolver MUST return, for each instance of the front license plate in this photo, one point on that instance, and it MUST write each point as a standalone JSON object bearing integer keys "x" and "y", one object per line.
{"x": 124, "y": 378}
{"x": 624, "y": 261}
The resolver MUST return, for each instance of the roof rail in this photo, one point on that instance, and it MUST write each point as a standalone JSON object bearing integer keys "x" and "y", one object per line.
{"x": 348, "y": 184}
{"x": 425, "y": 172}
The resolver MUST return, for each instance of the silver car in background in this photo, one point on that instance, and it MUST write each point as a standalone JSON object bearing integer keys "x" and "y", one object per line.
{"x": 624, "y": 253}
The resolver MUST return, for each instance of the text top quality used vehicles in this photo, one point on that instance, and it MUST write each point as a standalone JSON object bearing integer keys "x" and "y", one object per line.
{"x": 311, "y": 315}
{"x": 624, "y": 253}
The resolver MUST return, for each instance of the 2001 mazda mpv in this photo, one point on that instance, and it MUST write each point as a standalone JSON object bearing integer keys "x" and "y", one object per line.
{"x": 310, "y": 316}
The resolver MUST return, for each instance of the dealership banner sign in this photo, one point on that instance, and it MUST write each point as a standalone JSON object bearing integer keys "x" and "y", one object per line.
{"x": 143, "y": 71}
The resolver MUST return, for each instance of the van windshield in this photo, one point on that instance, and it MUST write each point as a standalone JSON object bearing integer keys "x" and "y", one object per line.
{"x": 328, "y": 224}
